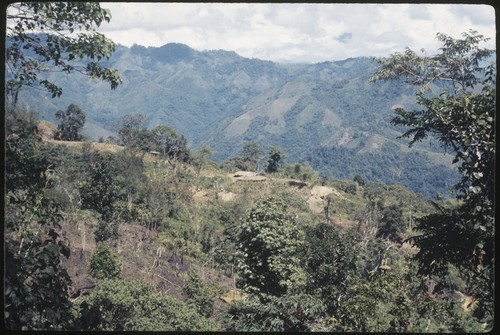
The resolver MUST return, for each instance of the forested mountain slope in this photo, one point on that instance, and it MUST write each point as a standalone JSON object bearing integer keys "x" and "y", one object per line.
{"x": 144, "y": 231}
{"x": 150, "y": 247}
{"x": 327, "y": 114}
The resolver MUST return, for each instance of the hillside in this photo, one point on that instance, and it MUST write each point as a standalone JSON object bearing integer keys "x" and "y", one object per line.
{"x": 241, "y": 195}
{"x": 327, "y": 114}
{"x": 123, "y": 239}
{"x": 137, "y": 246}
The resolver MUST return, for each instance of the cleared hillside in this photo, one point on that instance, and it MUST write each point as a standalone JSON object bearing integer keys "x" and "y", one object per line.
{"x": 326, "y": 114}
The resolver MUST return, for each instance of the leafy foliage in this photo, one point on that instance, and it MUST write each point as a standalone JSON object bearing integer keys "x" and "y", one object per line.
{"x": 267, "y": 249}
{"x": 459, "y": 63}
{"x": 97, "y": 188}
{"x": 252, "y": 153}
{"x": 201, "y": 295}
{"x": 275, "y": 160}
{"x": 236, "y": 163}
{"x": 120, "y": 305}
{"x": 463, "y": 121}
{"x": 297, "y": 274}
{"x": 133, "y": 133}
{"x": 104, "y": 264}
{"x": 36, "y": 286}
{"x": 52, "y": 36}
{"x": 392, "y": 223}
{"x": 297, "y": 271}
{"x": 248, "y": 160}
{"x": 288, "y": 313}
{"x": 305, "y": 172}
{"x": 107, "y": 231}
{"x": 331, "y": 264}
{"x": 170, "y": 144}
{"x": 72, "y": 121}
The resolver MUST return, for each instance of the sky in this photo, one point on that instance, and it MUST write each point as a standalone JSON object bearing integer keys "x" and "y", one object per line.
{"x": 296, "y": 32}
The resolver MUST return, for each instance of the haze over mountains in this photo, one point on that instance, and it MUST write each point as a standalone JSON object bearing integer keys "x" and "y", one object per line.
{"x": 326, "y": 114}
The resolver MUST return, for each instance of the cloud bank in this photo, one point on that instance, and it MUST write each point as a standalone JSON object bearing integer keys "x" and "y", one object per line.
{"x": 296, "y": 32}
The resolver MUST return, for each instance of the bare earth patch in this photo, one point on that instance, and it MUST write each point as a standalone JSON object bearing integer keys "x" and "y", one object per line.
{"x": 247, "y": 176}
{"x": 204, "y": 196}
{"x": 226, "y": 196}
{"x": 316, "y": 204}
{"x": 101, "y": 147}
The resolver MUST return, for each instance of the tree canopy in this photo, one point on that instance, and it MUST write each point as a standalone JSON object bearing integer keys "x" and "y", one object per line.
{"x": 462, "y": 119}
{"x": 191, "y": 248}
{"x": 44, "y": 37}
{"x": 36, "y": 286}
{"x": 104, "y": 264}
{"x": 275, "y": 160}
{"x": 267, "y": 249}
{"x": 459, "y": 62}
{"x": 72, "y": 121}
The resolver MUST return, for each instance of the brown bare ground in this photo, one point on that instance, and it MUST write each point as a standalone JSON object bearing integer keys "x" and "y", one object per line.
{"x": 316, "y": 204}
{"x": 94, "y": 145}
{"x": 204, "y": 196}
{"x": 247, "y": 176}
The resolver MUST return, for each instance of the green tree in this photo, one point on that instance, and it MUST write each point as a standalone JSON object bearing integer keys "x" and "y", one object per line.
{"x": 296, "y": 312}
{"x": 132, "y": 185}
{"x": 302, "y": 172}
{"x": 170, "y": 145}
{"x": 121, "y": 305}
{"x": 462, "y": 119}
{"x": 252, "y": 153}
{"x": 72, "y": 121}
{"x": 134, "y": 134}
{"x": 25, "y": 165}
{"x": 199, "y": 159}
{"x": 359, "y": 180}
{"x": 201, "y": 295}
{"x": 459, "y": 63}
{"x": 234, "y": 164}
{"x": 104, "y": 263}
{"x": 98, "y": 188}
{"x": 267, "y": 250}
{"x": 107, "y": 231}
{"x": 275, "y": 160}
{"x": 391, "y": 223}
{"x": 44, "y": 37}
{"x": 330, "y": 257}
{"x": 35, "y": 283}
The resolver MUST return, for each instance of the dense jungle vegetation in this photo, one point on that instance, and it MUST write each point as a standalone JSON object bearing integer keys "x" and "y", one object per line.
{"x": 140, "y": 232}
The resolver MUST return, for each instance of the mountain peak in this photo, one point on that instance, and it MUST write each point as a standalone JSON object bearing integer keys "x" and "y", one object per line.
{"x": 176, "y": 45}
{"x": 173, "y": 53}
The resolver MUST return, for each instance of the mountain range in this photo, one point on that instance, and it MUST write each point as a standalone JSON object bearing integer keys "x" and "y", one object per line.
{"x": 326, "y": 114}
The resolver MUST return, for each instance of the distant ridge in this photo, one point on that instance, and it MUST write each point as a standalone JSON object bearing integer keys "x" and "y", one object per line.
{"x": 326, "y": 114}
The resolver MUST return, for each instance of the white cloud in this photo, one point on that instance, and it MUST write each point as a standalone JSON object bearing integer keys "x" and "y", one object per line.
{"x": 478, "y": 15}
{"x": 296, "y": 32}
{"x": 419, "y": 12}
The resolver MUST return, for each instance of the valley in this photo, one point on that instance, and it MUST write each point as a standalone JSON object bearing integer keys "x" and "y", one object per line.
{"x": 326, "y": 114}
{"x": 170, "y": 229}
{"x": 209, "y": 192}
